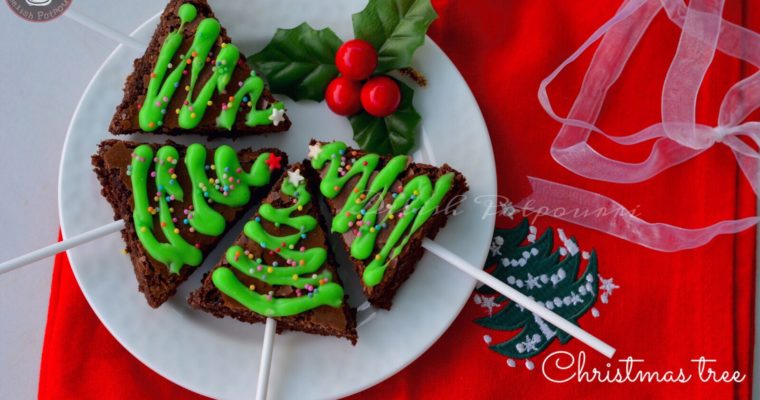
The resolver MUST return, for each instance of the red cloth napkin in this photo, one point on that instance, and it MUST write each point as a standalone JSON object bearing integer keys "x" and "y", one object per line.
{"x": 668, "y": 309}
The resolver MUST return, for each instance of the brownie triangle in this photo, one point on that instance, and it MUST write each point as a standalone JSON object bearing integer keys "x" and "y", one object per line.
{"x": 282, "y": 267}
{"x": 177, "y": 202}
{"x": 192, "y": 79}
{"x": 382, "y": 208}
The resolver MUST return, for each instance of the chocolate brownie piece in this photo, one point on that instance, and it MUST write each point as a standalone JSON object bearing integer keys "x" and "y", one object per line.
{"x": 308, "y": 296}
{"x": 393, "y": 215}
{"x": 126, "y": 118}
{"x": 113, "y": 163}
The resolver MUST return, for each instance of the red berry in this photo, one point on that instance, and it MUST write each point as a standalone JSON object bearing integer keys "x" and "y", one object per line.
{"x": 356, "y": 59}
{"x": 381, "y": 96}
{"x": 343, "y": 96}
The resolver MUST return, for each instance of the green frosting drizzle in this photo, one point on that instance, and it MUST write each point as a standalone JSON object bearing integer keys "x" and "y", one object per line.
{"x": 300, "y": 261}
{"x": 177, "y": 252}
{"x": 412, "y": 204}
{"x": 231, "y": 187}
{"x": 204, "y": 219}
{"x": 187, "y": 12}
{"x": 163, "y": 83}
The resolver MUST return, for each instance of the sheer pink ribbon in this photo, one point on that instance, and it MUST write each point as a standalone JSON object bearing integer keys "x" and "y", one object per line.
{"x": 678, "y": 137}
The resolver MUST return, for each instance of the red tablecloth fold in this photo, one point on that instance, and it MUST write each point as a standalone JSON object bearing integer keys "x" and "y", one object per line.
{"x": 668, "y": 309}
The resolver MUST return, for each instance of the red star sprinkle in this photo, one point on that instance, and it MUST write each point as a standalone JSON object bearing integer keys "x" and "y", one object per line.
{"x": 274, "y": 162}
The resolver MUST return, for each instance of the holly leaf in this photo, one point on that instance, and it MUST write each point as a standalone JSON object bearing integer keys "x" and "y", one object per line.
{"x": 299, "y": 62}
{"x": 393, "y": 134}
{"x": 396, "y": 28}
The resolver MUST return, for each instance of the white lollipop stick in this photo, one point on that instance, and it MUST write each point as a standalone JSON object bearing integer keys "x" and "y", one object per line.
{"x": 64, "y": 245}
{"x": 105, "y": 30}
{"x": 271, "y": 324}
{"x": 266, "y": 359}
{"x": 519, "y": 298}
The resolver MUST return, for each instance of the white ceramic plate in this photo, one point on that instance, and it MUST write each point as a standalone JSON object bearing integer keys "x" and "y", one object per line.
{"x": 219, "y": 358}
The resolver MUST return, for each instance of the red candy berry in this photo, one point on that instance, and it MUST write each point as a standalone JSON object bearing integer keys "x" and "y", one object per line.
{"x": 356, "y": 59}
{"x": 343, "y": 96}
{"x": 381, "y": 96}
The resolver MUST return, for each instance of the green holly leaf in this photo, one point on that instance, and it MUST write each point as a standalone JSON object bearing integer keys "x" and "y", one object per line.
{"x": 396, "y": 28}
{"x": 299, "y": 62}
{"x": 393, "y": 134}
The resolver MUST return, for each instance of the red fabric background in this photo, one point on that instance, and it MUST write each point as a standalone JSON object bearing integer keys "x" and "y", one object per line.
{"x": 670, "y": 308}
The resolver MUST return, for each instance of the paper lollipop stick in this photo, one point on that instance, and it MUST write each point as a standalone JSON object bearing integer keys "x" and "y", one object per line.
{"x": 61, "y": 246}
{"x": 428, "y": 244}
{"x": 519, "y": 298}
{"x": 266, "y": 359}
{"x": 105, "y": 30}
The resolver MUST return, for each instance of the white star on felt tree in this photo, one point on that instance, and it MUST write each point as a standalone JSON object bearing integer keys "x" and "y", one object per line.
{"x": 295, "y": 177}
{"x": 507, "y": 209}
{"x": 608, "y": 285}
{"x": 314, "y": 150}
{"x": 278, "y": 115}
{"x": 489, "y": 303}
{"x": 532, "y": 281}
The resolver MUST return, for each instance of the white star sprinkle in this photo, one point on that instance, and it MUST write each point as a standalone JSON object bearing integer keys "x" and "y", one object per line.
{"x": 314, "y": 150}
{"x": 278, "y": 115}
{"x": 295, "y": 177}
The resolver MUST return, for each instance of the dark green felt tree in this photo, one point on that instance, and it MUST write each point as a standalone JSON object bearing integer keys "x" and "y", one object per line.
{"x": 546, "y": 276}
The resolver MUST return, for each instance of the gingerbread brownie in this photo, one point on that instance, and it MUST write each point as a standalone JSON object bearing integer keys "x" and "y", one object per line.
{"x": 382, "y": 207}
{"x": 192, "y": 79}
{"x": 177, "y": 202}
{"x": 281, "y": 266}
